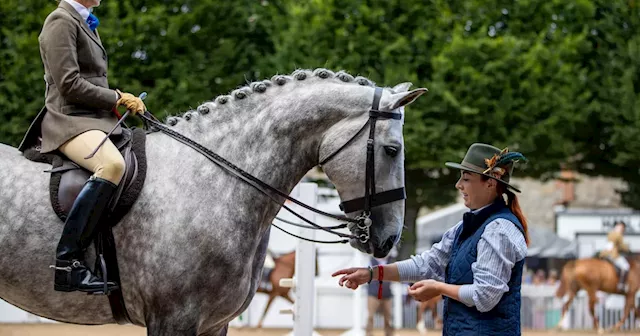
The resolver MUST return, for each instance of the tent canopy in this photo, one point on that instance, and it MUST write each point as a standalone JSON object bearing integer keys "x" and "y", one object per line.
{"x": 544, "y": 243}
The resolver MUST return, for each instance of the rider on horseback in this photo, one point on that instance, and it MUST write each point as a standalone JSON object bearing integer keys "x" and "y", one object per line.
{"x": 79, "y": 111}
{"x": 614, "y": 248}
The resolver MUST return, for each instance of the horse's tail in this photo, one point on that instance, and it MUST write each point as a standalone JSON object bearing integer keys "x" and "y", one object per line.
{"x": 567, "y": 278}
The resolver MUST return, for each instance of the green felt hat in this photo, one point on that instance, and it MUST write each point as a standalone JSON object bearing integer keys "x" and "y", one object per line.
{"x": 489, "y": 161}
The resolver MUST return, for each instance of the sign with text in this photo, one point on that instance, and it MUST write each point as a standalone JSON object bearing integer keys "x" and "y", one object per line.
{"x": 573, "y": 221}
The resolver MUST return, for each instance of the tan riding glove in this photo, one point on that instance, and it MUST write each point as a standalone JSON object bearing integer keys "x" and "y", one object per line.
{"x": 131, "y": 102}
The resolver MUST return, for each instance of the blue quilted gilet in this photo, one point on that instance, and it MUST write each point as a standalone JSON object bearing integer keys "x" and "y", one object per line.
{"x": 504, "y": 318}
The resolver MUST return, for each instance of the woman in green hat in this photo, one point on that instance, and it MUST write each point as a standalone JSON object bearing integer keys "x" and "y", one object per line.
{"x": 478, "y": 264}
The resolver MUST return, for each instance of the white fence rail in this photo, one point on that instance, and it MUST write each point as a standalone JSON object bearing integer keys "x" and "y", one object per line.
{"x": 540, "y": 310}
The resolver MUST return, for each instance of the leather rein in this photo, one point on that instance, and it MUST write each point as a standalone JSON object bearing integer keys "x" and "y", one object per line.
{"x": 360, "y": 225}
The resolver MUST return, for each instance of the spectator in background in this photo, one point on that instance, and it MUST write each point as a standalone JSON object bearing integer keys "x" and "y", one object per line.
{"x": 539, "y": 277}
{"x": 527, "y": 277}
{"x": 553, "y": 277}
{"x": 384, "y": 304}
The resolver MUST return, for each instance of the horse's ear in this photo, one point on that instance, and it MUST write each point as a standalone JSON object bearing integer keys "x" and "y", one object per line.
{"x": 402, "y": 87}
{"x": 405, "y": 98}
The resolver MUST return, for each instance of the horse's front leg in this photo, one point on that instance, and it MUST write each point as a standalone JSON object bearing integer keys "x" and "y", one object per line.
{"x": 166, "y": 329}
{"x": 266, "y": 309}
{"x": 216, "y": 332}
{"x": 224, "y": 330}
{"x": 422, "y": 329}
{"x": 436, "y": 319}
{"x": 565, "y": 307}
{"x": 592, "y": 309}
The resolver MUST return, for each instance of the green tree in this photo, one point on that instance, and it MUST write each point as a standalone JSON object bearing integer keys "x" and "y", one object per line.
{"x": 181, "y": 52}
{"x": 21, "y": 70}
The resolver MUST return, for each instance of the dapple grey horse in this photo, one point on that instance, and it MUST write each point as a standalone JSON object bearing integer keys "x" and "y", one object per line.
{"x": 191, "y": 250}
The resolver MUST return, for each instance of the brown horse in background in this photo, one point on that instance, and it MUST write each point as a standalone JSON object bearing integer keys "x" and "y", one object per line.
{"x": 284, "y": 268}
{"x": 432, "y": 305}
{"x": 596, "y": 274}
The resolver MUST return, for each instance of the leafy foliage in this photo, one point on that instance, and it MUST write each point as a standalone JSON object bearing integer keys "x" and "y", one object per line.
{"x": 180, "y": 52}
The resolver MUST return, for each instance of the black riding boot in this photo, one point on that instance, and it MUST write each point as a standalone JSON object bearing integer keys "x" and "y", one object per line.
{"x": 622, "y": 280}
{"x": 71, "y": 272}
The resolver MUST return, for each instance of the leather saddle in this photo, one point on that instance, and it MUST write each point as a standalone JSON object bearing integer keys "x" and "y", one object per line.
{"x": 68, "y": 178}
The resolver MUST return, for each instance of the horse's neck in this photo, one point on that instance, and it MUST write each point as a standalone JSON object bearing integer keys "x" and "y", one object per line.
{"x": 274, "y": 137}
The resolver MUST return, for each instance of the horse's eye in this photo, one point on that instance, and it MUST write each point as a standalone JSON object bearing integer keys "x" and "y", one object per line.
{"x": 391, "y": 151}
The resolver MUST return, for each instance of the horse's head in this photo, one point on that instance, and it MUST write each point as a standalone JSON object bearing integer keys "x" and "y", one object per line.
{"x": 345, "y": 159}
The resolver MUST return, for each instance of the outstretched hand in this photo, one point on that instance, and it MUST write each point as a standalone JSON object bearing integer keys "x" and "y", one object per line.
{"x": 353, "y": 277}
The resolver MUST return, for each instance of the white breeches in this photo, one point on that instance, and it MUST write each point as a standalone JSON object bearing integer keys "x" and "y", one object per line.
{"x": 622, "y": 263}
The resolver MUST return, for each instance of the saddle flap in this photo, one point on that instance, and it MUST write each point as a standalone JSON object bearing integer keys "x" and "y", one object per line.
{"x": 68, "y": 179}
{"x": 71, "y": 182}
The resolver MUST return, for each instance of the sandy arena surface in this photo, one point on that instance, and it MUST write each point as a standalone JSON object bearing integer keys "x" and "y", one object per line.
{"x": 116, "y": 330}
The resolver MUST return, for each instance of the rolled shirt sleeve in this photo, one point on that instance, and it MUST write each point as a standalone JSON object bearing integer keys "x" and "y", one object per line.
{"x": 500, "y": 247}
{"x": 429, "y": 264}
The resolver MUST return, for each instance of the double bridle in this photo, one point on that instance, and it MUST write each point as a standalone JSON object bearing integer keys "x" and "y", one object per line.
{"x": 370, "y": 199}
{"x": 360, "y": 226}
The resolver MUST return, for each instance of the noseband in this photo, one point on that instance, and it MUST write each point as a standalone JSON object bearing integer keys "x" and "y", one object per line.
{"x": 360, "y": 225}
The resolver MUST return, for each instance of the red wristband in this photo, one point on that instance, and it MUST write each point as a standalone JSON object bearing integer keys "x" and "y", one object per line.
{"x": 380, "y": 276}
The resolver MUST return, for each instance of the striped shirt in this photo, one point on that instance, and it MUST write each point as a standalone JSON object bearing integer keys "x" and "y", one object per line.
{"x": 499, "y": 248}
